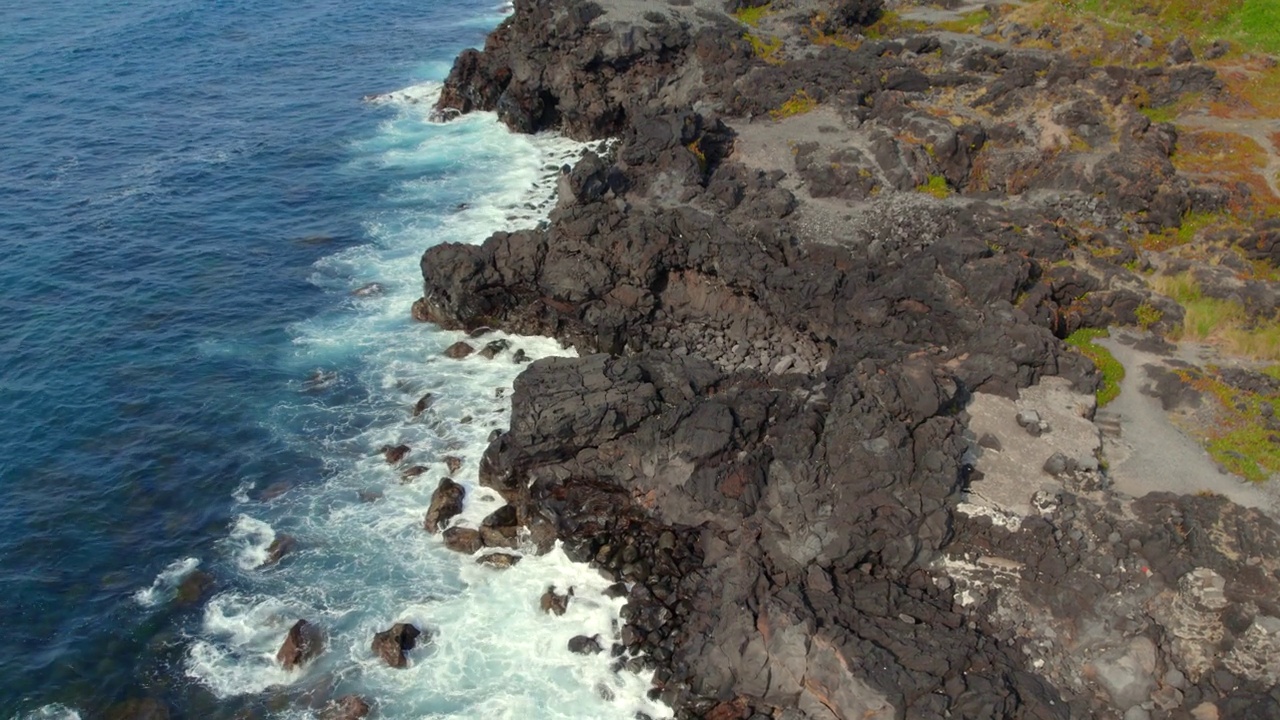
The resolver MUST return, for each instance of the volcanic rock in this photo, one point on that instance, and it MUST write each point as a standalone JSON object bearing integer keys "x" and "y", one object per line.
{"x": 583, "y": 645}
{"x": 446, "y": 503}
{"x": 552, "y": 602}
{"x": 423, "y": 403}
{"x": 394, "y": 454}
{"x": 193, "y": 588}
{"x": 392, "y": 644}
{"x": 303, "y": 643}
{"x": 458, "y": 350}
{"x": 279, "y": 547}
{"x": 347, "y": 707}
{"x": 463, "y": 540}
{"x": 500, "y": 561}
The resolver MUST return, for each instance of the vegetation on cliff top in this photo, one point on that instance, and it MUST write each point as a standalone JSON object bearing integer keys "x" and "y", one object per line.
{"x": 1240, "y": 439}
{"x": 1254, "y": 24}
{"x": 1225, "y": 323}
{"x": 1111, "y": 369}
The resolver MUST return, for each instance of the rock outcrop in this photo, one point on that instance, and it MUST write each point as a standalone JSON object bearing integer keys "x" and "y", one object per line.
{"x": 392, "y": 644}
{"x": 764, "y": 438}
{"x": 301, "y": 645}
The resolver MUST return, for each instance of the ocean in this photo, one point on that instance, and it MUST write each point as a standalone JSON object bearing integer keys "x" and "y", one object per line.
{"x": 191, "y": 193}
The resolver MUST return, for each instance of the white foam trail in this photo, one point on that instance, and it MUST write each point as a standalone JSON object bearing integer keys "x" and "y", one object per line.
{"x": 50, "y": 712}
{"x": 370, "y": 564}
{"x": 240, "y": 636}
{"x": 250, "y": 539}
{"x": 166, "y": 582}
{"x": 424, "y": 93}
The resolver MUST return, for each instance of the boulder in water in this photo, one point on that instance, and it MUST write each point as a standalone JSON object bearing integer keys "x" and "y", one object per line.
{"x": 458, "y": 350}
{"x": 446, "y": 502}
{"x": 347, "y": 707}
{"x": 453, "y": 462}
{"x": 279, "y": 547}
{"x": 303, "y": 643}
{"x": 500, "y": 561}
{"x": 193, "y": 588}
{"x": 394, "y": 454}
{"x": 392, "y": 644}
{"x": 423, "y": 403}
{"x": 583, "y": 645}
{"x": 368, "y": 290}
{"x": 491, "y": 350}
{"x": 407, "y": 475}
{"x": 553, "y": 602}
{"x": 463, "y": 540}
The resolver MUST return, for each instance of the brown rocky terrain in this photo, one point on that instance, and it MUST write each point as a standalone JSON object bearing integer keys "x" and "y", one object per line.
{"x": 819, "y": 251}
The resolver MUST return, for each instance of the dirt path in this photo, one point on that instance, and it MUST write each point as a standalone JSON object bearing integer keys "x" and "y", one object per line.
{"x": 1150, "y": 454}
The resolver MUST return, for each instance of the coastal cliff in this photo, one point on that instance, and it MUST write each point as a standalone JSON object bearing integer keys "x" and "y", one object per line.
{"x": 809, "y": 263}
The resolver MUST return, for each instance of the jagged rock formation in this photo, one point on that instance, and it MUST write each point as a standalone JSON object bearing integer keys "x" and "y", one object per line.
{"x": 765, "y": 438}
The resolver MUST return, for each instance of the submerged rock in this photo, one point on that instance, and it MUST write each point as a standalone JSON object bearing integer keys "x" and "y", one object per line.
{"x": 279, "y": 547}
{"x": 138, "y": 709}
{"x": 347, "y": 707}
{"x": 194, "y": 588}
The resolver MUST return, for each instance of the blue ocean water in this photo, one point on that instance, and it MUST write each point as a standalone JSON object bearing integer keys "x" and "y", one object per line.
{"x": 189, "y": 194}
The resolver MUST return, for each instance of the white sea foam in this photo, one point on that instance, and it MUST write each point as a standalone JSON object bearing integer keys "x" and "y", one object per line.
{"x": 366, "y": 565}
{"x": 50, "y": 712}
{"x": 249, "y": 541}
{"x": 235, "y": 654}
{"x": 166, "y": 582}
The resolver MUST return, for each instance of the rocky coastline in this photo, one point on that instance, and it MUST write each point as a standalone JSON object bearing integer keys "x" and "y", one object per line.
{"x": 786, "y": 344}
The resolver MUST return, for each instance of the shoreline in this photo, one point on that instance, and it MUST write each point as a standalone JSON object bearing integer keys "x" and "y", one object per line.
{"x": 772, "y": 449}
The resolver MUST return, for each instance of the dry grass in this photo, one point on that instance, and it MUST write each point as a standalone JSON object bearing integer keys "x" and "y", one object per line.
{"x": 1223, "y": 323}
{"x": 765, "y": 48}
{"x": 1211, "y": 151}
{"x": 1253, "y": 86}
{"x": 752, "y": 15}
{"x": 1189, "y": 229}
{"x": 891, "y": 25}
{"x": 1232, "y": 161}
{"x": 798, "y": 104}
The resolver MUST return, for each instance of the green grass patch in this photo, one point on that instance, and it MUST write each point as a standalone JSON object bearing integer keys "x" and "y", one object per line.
{"x": 891, "y": 24}
{"x": 1111, "y": 369}
{"x": 967, "y": 23}
{"x": 1190, "y": 227}
{"x": 1239, "y": 439}
{"x": 1148, "y": 315}
{"x": 753, "y": 15}
{"x": 936, "y": 186}
{"x": 1252, "y": 24}
{"x": 798, "y": 104}
{"x": 1252, "y": 452}
{"x": 765, "y": 48}
{"x": 1164, "y": 114}
{"x": 1256, "y": 23}
{"x": 1220, "y": 322}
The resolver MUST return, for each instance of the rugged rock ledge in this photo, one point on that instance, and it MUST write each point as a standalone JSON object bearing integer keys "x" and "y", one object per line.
{"x": 766, "y": 438}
